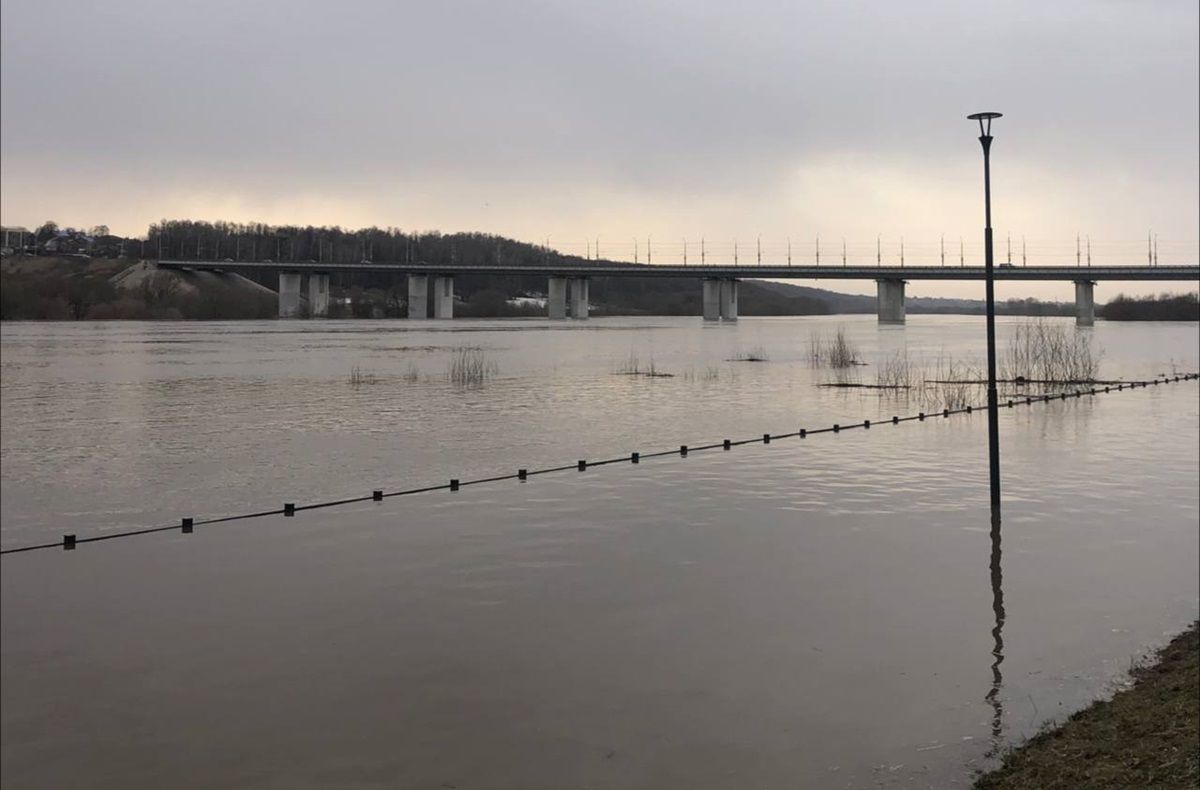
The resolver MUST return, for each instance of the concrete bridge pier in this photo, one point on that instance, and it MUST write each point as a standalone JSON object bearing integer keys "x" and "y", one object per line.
{"x": 729, "y": 302}
{"x": 443, "y": 296}
{"x": 318, "y": 295}
{"x": 556, "y": 298}
{"x": 712, "y": 300}
{"x": 289, "y": 294}
{"x": 890, "y": 301}
{"x": 418, "y": 296}
{"x": 579, "y": 298}
{"x": 1085, "y": 302}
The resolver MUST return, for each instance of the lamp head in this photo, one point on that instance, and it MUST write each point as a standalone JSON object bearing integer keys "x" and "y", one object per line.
{"x": 984, "y": 131}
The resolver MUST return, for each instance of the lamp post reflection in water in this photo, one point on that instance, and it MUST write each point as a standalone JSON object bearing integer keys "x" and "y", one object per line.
{"x": 993, "y": 695}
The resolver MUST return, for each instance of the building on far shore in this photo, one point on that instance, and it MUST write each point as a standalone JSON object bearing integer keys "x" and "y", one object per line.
{"x": 15, "y": 240}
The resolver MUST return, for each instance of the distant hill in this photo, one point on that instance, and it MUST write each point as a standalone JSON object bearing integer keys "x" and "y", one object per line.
{"x": 859, "y": 303}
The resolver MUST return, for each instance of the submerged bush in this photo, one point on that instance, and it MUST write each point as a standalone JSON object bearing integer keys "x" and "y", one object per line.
{"x": 756, "y": 354}
{"x": 836, "y": 352}
{"x": 1050, "y": 353}
{"x": 471, "y": 366}
{"x": 634, "y": 367}
{"x": 359, "y": 377}
{"x": 953, "y": 384}
{"x": 895, "y": 372}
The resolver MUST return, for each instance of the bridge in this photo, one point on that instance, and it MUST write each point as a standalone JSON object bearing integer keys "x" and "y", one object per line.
{"x": 567, "y": 282}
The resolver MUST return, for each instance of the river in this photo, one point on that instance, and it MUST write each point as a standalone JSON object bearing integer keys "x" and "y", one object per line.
{"x": 833, "y": 611}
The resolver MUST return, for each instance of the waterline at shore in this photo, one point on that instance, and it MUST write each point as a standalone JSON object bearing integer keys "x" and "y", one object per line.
{"x": 1145, "y": 736}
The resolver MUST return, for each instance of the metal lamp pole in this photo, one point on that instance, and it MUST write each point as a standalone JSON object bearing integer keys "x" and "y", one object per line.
{"x": 985, "y": 139}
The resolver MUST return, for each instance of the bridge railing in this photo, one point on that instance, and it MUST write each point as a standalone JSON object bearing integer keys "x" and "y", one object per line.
{"x": 1011, "y": 249}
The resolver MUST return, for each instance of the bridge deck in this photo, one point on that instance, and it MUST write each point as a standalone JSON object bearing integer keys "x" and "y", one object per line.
{"x": 774, "y": 272}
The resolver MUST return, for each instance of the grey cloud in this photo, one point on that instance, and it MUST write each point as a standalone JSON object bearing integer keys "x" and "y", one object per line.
{"x": 672, "y": 97}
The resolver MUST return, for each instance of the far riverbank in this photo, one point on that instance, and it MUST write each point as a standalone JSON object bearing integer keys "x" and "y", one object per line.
{"x": 58, "y": 288}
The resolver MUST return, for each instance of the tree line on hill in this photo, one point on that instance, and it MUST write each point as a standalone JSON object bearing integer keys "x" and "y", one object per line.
{"x": 1164, "y": 307}
{"x": 481, "y": 293}
{"x": 219, "y": 241}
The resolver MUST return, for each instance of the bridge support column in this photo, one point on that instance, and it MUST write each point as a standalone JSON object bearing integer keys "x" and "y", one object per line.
{"x": 556, "y": 298}
{"x": 1085, "y": 303}
{"x": 729, "y": 307}
{"x": 712, "y": 300}
{"x": 418, "y": 296}
{"x": 579, "y": 298}
{"x": 289, "y": 294}
{"x": 890, "y": 301}
{"x": 443, "y": 296}
{"x": 318, "y": 295}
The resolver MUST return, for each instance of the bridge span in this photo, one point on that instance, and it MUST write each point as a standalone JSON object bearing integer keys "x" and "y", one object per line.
{"x": 567, "y": 282}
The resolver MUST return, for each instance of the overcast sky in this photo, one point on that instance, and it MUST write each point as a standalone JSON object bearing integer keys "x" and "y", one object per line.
{"x": 617, "y": 120}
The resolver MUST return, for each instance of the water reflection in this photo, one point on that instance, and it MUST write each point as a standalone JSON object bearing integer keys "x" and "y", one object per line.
{"x": 993, "y": 695}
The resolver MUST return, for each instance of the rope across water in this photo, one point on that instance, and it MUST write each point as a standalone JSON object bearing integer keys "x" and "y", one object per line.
{"x": 187, "y": 525}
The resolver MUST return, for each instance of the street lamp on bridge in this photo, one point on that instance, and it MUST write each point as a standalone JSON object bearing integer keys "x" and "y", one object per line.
{"x": 985, "y": 139}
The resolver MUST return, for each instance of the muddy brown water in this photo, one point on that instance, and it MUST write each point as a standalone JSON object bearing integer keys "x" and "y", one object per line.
{"x": 827, "y": 612}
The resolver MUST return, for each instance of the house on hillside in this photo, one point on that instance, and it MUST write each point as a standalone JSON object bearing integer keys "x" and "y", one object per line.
{"x": 68, "y": 242}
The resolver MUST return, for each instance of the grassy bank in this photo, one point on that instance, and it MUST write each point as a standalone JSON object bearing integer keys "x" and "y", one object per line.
{"x": 1145, "y": 736}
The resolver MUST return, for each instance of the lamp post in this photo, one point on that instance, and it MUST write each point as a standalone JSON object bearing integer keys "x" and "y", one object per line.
{"x": 985, "y": 139}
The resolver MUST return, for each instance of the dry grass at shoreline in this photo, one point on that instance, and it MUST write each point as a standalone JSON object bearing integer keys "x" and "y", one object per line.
{"x": 1145, "y": 736}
